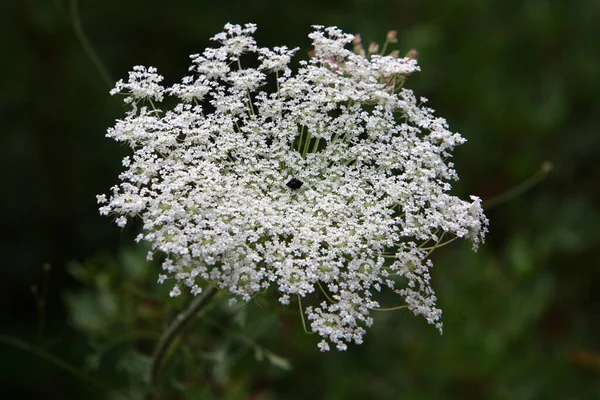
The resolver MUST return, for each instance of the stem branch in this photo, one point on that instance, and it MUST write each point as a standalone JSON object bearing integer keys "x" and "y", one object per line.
{"x": 178, "y": 324}
{"x": 520, "y": 188}
{"x": 73, "y": 370}
{"x": 87, "y": 46}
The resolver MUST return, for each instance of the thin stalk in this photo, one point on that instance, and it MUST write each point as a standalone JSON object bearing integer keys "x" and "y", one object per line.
{"x": 522, "y": 187}
{"x": 302, "y": 316}
{"x": 178, "y": 324}
{"x": 75, "y": 371}
{"x": 237, "y": 126}
{"x": 156, "y": 110}
{"x": 325, "y": 293}
{"x": 423, "y": 246}
{"x": 300, "y": 139}
{"x": 249, "y": 105}
{"x": 388, "y": 309}
{"x": 316, "y": 145}
{"x": 384, "y": 48}
{"x": 306, "y": 144}
{"x": 393, "y": 85}
{"x": 41, "y": 302}
{"x": 437, "y": 246}
{"x": 135, "y": 335}
{"x": 87, "y": 46}
{"x": 440, "y": 245}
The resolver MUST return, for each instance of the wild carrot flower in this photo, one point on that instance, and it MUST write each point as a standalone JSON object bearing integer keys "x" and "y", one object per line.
{"x": 337, "y": 180}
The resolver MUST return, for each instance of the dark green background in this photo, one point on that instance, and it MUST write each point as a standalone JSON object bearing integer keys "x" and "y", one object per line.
{"x": 519, "y": 79}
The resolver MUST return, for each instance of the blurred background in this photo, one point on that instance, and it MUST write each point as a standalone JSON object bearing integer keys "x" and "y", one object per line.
{"x": 519, "y": 79}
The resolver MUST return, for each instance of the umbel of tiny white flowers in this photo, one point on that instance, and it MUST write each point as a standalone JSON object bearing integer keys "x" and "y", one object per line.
{"x": 338, "y": 180}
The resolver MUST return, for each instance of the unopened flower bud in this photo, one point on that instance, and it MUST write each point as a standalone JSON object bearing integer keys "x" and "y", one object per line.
{"x": 392, "y": 37}
{"x": 373, "y": 48}
{"x": 547, "y": 166}
{"x": 412, "y": 54}
{"x": 359, "y": 49}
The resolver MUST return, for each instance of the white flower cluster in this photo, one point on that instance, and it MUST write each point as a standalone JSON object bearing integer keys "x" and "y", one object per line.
{"x": 336, "y": 180}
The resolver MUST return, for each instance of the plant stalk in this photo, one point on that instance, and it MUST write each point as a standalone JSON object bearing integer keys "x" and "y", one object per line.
{"x": 166, "y": 341}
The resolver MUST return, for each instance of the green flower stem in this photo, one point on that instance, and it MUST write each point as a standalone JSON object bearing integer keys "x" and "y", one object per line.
{"x": 73, "y": 370}
{"x": 325, "y": 293}
{"x": 306, "y": 144}
{"x": 41, "y": 301}
{"x": 87, "y": 46}
{"x": 178, "y": 324}
{"x": 520, "y": 188}
{"x": 389, "y": 308}
{"x": 302, "y": 316}
{"x": 316, "y": 145}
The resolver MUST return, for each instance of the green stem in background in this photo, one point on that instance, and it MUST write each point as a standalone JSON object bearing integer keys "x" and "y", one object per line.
{"x": 277, "y": 82}
{"x": 316, "y": 145}
{"x": 249, "y": 101}
{"x": 87, "y": 46}
{"x": 75, "y": 371}
{"x": 166, "y": 341}
{"x": 300, "y": 140}
{"x": 302, "y": 316}
{"x": 325, "y": 293}
{"x": 520, "y": 188}
{"x": 438, "y": 245}
{"x": 306, "y": 144}
{"x": 389, "y": 308}
{"x": 384, "y": 48}
{"x": 130, "y": 337}
{"x": 40, "y": 300}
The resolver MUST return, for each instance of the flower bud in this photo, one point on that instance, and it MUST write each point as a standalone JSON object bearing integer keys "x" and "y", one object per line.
{"x": 392, "y": 37}
{"x": 373, "y": 48}
{"x": 359, "y": 49}
{"x": 412, "y": 54}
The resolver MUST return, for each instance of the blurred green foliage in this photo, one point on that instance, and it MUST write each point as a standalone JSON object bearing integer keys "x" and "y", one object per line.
{"x": 520, "y": 80}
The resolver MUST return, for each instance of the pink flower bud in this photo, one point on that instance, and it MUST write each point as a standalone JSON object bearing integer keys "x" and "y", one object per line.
{"x": 373, "y": 48}
{"x": 392, "y": 36}
{"x": 412, "y": 54}
{"x": 359, "y": 49}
